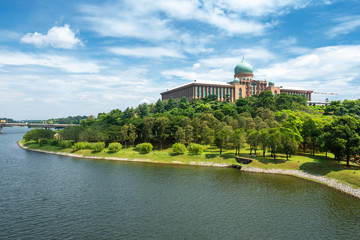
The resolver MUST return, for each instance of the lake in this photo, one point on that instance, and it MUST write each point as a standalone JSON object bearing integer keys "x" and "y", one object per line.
{"x": 45, "y": 196}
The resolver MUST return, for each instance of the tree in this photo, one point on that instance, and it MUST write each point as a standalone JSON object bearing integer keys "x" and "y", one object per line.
{"x": 92, "y": 135}
{"x": 171, "y": 104}
{"x": 124, "y": 134}
{"x": 311, "y": 130}
{"x": 183, "y": 104}
{"x": 180, "y": 135}
{"x": 208, "y": 135}
{"x": 147, "y": 131}
{"x": 289, "y": 141}
{"x": 274, "y": 141}
{"x": 143, "y": 110}
{"x": 266, "y": 100}
{"x": 159, "y": 107}
{"x": 37, "y": 134}
{"x": 188, "y": 134}
{"x": 253, "y": 140}
{"x": 222, "y": 138}
{"x": 132, "y": 133}
{"x": 344, "y": 138}
{"x": 264, "y": 140}
{"x": 238, "y": 140}
{"x": 161, "y": 125}
{"x": 196, "y": 124}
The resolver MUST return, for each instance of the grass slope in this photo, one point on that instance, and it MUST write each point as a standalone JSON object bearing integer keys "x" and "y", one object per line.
{"x": 317, "y": 165}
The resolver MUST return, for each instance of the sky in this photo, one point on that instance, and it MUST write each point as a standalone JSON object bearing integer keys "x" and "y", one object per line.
{"x": 64, "y": 58}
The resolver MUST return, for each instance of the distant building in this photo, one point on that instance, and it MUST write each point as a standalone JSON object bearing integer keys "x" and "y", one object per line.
{"x": 243, "y": 85}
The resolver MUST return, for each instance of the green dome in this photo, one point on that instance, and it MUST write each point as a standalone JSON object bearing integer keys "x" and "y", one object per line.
{"x": 243, "y": 67}
{"x": 236, "y": 80}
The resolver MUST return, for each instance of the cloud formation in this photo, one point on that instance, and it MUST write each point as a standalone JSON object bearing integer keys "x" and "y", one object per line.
{"x": 56, "y": 37}
{"x": 64, "y": 63}
{"x": 345, "y": 25}
{"x": 149, "y": 52}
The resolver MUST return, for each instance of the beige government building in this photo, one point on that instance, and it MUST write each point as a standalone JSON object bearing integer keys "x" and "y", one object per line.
{"x": 243, "y": 85}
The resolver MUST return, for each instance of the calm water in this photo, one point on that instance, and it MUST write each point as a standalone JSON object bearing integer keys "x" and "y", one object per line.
{"x": 53, "y": 197}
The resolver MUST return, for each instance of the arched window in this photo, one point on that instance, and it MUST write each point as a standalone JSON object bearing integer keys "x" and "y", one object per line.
{"x": 240, "y": 93}
{"x": 253, "y": 88}
{"x": 275, "y": 93}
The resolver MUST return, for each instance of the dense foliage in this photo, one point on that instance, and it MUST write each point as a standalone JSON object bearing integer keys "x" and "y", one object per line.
{"x": 38, "y": 134}
{"x": 68, "y": 120}
{"x": 144, "y": 148}
{"x": 115, "y": 147}
{"x": 179, "y": 148}
{"x": 271, "y": 124}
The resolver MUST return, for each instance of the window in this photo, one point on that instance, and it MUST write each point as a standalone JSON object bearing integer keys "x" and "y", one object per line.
{"x": 202, "y": 92}
{"x": 220, "y": 92}
{"x": 253, "y": 88}
{"x": 197, "y": 91}
{"x": 240, "y": 93}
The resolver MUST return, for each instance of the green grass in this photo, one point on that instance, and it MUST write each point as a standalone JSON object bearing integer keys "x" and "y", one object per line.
{"x": 318, "y": 164}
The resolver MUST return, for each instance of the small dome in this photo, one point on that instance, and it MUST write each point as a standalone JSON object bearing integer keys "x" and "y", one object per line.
{"x": 271, "y": 83}
{"x": 243, "y": 67}
{"x": 236, "y": 80}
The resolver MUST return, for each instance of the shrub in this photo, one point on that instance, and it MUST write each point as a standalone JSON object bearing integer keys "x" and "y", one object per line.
{"x": 144, "y": 148}
{"x": 98, "y": 146}
{"x": 43, "y": 141}
{"x": 195, "y": 148}
{"x": 65, "y": 143}
{"x": 81, "y": 145}
{"x": 179, "y": 148}
{"x": 115, "y": 147}
{"x": 36, "y": 134}
{"x": 53, "y": 142}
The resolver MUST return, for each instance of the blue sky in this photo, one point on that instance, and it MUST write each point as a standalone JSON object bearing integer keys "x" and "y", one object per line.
{"x": 61, "y": 58}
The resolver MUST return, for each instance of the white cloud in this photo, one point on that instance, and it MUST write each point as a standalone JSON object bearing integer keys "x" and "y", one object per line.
{"x": 344, "y": 25}
{"x": 150, "y": 52}
{"x": 56, "y": 37}
{"x": 220, "y": 68}
{"x": 327, "y": 69}
{"x": 155, "y": 21}
{"x": 29, "y": 100}
{"x": 7, "y": 35}
{"x": 64, "y": 63}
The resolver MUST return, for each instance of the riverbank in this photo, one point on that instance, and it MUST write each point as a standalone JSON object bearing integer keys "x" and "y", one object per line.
{"x": 194, "y": 161}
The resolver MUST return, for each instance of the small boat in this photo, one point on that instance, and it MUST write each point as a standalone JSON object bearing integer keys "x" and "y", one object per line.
{"x": 243, "y": 160}
{"x": 236, "y": 166}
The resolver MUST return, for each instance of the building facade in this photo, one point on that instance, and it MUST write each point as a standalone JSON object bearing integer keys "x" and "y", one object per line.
{"x": 243, "y": 85}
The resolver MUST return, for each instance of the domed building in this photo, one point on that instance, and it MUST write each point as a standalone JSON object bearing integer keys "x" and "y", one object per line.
{"x": 243, "y": 85}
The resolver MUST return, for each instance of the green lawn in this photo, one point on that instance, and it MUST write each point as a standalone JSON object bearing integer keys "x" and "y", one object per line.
{"x": 318, "y": 164}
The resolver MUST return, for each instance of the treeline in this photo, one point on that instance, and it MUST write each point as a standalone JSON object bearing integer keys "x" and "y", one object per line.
{"x": 271, "y": 124}
{"x": 343, "y": 108}
{"x": 8, "y": 120}
{"x": 68, "y": 120}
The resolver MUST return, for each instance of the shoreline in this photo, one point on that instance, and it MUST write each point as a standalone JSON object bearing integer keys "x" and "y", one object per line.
{"x": 333, "y": 183}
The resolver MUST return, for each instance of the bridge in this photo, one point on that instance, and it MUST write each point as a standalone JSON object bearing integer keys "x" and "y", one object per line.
{"x": 36, "y": 125}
